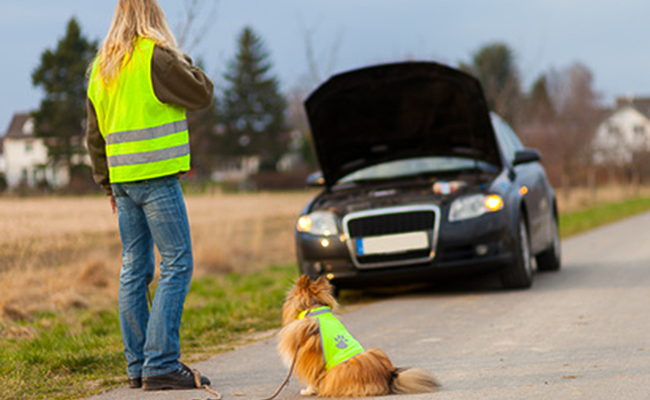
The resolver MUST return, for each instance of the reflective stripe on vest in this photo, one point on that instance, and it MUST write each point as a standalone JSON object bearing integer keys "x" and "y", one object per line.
{"x": 338, "y": 345}
{"x": 145, "y": 138}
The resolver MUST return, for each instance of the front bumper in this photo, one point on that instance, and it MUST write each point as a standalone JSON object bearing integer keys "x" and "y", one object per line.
{"x": 460, "y": 248}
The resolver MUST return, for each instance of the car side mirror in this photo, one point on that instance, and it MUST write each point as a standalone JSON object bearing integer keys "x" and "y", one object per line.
{"x": 526, "y": 156}
{"x": 315, "y": 179}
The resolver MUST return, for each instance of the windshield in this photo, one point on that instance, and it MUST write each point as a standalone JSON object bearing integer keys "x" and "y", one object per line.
{"x": 415, "y": 166}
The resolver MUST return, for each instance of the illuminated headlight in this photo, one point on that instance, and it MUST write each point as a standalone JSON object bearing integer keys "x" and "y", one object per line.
{"x": 318, "y": 223}
{"x": 474, "y": 206}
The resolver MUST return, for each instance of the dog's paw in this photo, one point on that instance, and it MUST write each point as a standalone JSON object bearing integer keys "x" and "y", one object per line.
{"x": 310, "y": 391}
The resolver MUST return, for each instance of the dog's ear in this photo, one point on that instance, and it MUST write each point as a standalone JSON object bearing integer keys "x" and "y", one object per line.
{"x": 303, "y": 282}
{"x": 322, "y": 282}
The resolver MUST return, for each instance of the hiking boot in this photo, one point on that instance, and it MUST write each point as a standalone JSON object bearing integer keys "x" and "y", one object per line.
{"x": 135, "y": 383}
{"x": 180, "y": 379}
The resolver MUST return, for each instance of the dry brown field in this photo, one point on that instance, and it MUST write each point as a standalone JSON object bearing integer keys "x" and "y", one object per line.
{"x": 64, "y": 252}
{"x": 582, "y": 197}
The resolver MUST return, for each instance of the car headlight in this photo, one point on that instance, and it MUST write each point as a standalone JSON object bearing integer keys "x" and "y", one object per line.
{"x": 318, "y": 223}
{"x": 474, "y": 206}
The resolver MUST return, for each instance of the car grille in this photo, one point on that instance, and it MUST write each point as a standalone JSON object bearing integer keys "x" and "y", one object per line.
{"x": 392, "y": 221}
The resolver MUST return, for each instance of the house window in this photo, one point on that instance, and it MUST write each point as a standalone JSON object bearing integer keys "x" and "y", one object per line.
{"x": 639, "y": 130}
{"x": 29, "y": 147}
{"x": 613, "y": 130}
{"x": 28, "y": 127}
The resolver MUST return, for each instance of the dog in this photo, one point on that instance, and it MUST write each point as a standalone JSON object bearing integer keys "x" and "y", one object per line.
{"x": 337, "y": 365}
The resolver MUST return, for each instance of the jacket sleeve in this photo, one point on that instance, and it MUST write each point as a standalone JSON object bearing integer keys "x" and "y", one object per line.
{"x": 97, "y": 150}
{"x": 180, "y": 83}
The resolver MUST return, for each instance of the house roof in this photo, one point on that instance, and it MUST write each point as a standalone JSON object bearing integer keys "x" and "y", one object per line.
{"x": 641, "y": 104}
{"x": 20, "y": 127}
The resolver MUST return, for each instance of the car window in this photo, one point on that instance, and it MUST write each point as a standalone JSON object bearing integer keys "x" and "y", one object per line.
{"x": 415, "y": 166}
{"x": 510, "y": 143}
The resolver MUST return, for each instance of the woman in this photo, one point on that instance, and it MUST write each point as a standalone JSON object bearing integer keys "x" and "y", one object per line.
{"x": 139, "y": 89}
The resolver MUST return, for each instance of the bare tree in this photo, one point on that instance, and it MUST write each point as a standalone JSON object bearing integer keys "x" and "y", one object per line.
{"x": 536, "y": 115}
{"x": 197, "y": 18}
{"x": 577, "y": 112}
{"x": 320, "y": 67}
{"x": 299, "y": 124}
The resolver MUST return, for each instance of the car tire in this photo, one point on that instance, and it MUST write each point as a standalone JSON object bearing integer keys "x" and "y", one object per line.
{"x": 551, "y": 258}
{"x": 519, "y": 274}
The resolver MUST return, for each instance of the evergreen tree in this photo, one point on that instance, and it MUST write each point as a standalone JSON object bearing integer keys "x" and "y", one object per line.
{"x": 62, "y": 75}
{"x": 494, "y": 65}
{"x": 253, "y": 110}
{"x": 540, "y": 107}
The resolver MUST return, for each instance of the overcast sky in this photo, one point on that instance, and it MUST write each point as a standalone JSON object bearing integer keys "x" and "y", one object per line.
{"x": 612, "y": 38}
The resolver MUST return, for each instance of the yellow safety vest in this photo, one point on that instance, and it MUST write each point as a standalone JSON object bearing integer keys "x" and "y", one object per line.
{"x": 145, "y": 138}
{"x": 338, "y": 345}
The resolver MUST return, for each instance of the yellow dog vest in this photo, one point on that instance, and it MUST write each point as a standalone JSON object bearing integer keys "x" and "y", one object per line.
{"x": 338, "y": 344}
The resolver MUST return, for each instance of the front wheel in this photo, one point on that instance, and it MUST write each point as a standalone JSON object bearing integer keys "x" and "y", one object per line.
{"x": 519, "y": 275}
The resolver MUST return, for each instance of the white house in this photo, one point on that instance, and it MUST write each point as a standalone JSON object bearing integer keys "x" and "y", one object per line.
{"x": 624, "y": 132}
{"x": 2, "y": 156}
{"x": 25, "y": 156}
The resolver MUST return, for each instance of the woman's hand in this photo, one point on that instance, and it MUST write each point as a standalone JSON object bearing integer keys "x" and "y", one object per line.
{"x": 113, "y": 204}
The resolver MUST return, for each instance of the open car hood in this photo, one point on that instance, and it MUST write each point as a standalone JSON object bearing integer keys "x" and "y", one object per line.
{"x": 394, "y": 111}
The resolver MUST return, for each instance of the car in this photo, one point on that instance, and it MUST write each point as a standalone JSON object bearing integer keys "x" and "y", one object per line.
{"x": 418, "y": 181}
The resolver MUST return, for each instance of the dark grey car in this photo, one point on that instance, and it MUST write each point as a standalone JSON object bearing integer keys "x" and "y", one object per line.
{"x": 420, "y": 180}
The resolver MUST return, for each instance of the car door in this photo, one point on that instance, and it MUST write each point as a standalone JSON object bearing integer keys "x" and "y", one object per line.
{"x": 528, "y": 179}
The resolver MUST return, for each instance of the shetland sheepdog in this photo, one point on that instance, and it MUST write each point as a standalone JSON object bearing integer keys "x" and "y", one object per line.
{"x": 328, "y": 360}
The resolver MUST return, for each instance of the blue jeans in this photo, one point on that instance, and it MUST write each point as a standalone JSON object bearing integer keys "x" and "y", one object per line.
{"x": 152, "y": 212}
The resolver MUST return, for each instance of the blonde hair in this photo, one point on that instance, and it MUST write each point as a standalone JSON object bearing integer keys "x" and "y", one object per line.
{"x": 133, "y": 18}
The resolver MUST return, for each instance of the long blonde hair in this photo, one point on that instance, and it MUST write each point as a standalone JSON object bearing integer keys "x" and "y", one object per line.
{"x": 133, "y": 18}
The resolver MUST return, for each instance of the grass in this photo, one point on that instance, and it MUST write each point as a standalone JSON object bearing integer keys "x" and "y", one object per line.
{"x": 74, "y": 350}
{"x": 579, "y": 221}
{"x": 73, "y": 355}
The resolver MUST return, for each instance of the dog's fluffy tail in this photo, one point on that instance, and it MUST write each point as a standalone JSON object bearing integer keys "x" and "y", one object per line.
{"x": 413, "y": 380}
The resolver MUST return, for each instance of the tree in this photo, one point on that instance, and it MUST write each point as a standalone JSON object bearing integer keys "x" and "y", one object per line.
{"x": 576, "y": 105}
{"x": 320, "y": 67}
{"x": 253, "y": 110}
{"x": 62, "y": 75}
{"x": 537, "y": 116}
{"x": 300, "y": 125}
{"x": 196, "y": 21}
{"x": 494, "y": 65}
{"x": 204, "y": 139}
{"x": 539, "y": 107}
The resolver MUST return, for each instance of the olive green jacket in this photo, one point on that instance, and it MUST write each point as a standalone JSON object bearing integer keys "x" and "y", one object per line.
{"x": 174, "y": 82}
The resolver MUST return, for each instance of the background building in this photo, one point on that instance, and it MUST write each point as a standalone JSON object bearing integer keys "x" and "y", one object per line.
{"x": 624, "y": 134}
{"x": 25, "y": 157}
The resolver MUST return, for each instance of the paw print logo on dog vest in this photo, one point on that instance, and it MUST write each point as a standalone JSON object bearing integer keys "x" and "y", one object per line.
{"x": 341, "y": 342}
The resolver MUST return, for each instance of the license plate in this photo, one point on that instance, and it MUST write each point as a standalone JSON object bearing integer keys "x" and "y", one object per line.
{"x": 397, "y": 243}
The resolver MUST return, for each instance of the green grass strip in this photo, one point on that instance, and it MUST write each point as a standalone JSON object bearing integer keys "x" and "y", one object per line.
{"x": 583, "y": 220}
{"x": 75, "y": 355}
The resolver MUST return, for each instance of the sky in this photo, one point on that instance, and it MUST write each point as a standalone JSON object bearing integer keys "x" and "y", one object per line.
{"x": 609, "y": 37}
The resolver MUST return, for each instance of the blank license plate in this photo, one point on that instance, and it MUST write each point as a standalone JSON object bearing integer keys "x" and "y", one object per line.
{"x": 392, "y": 243}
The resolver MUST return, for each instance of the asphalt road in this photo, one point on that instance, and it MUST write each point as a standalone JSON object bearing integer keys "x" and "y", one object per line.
{"x": 581, "y": 333}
